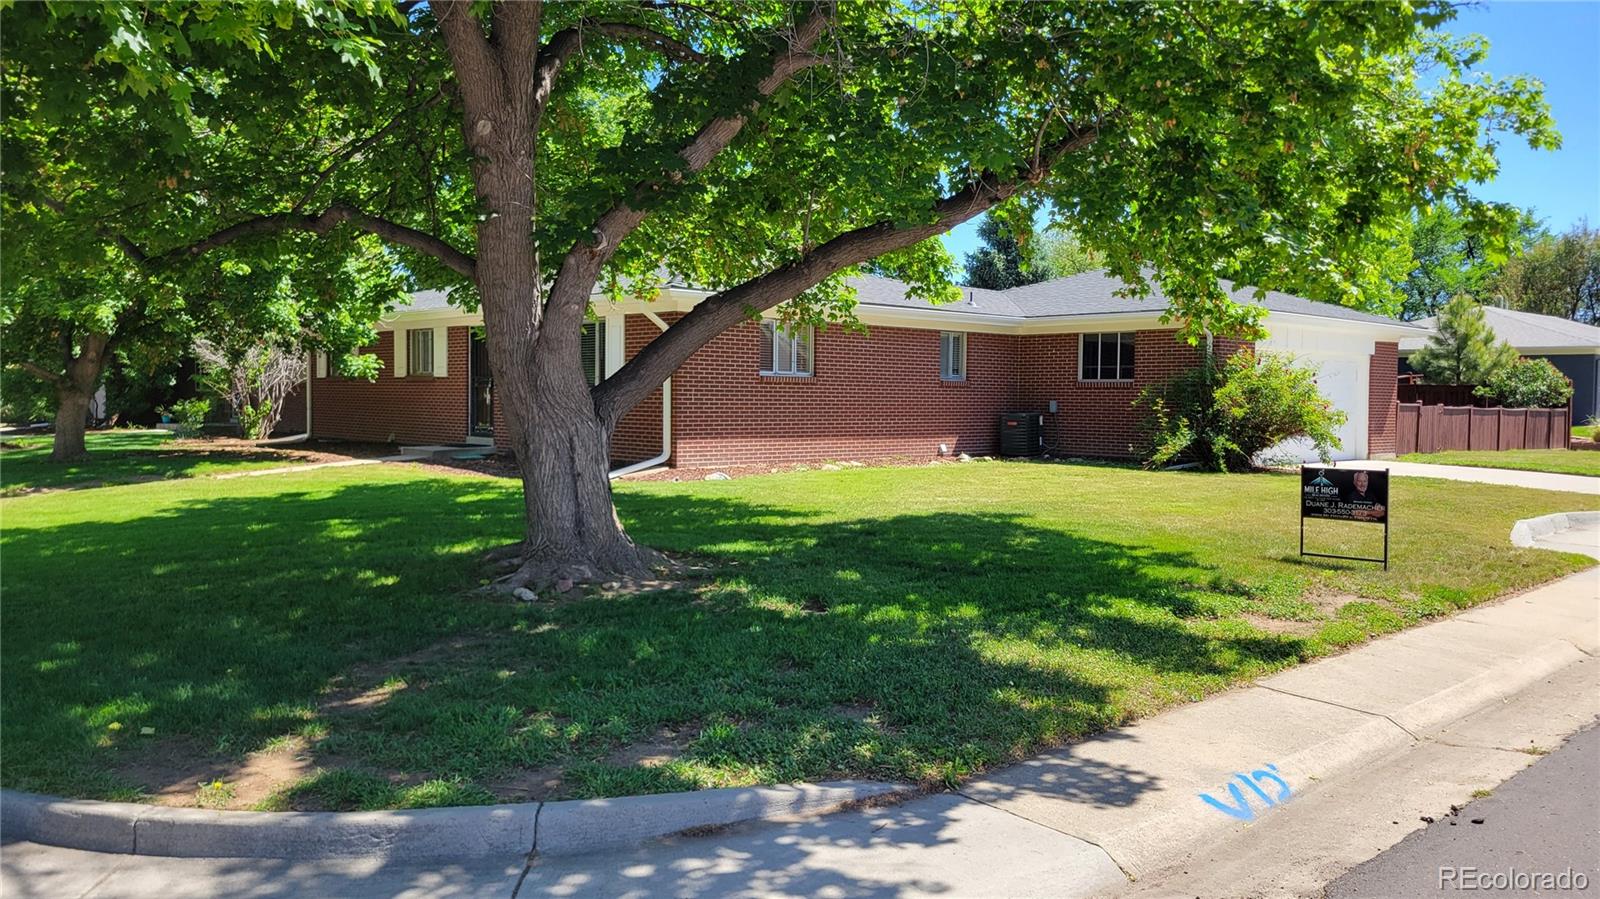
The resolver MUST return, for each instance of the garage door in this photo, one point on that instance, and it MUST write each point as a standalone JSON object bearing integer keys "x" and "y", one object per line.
{"x": 1339, "y": 379}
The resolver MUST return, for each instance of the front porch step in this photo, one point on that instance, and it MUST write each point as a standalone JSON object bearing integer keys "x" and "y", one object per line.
{"x": 440, "y": 451}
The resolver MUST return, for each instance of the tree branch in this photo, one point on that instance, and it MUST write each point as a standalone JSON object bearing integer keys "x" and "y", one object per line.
{"x": 321, "y": 224}
{"x": 42, "y": 373}
{"x": 582, "y": 265}
{"x": 554, "y": 54}
{"x": 614, "y": 396}
{"x": 361, "y": 146}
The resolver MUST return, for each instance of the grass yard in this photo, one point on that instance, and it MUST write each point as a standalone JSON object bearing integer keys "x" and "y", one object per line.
{"x": 301, "y": 641}
{"x": 121, "y": 457}
{"x": 1556, "y": 461}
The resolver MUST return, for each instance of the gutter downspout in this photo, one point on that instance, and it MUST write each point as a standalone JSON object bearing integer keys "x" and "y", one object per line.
{"x": 298, "y": 438}
{"x": 666, "y": 420}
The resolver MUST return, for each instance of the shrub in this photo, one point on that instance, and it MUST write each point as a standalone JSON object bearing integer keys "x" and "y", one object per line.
{"x": 1222, "y": 417}
{"x": 254, "y": 376}
{"x": 190, "y": 415}
{"x": 1533, "y": 383}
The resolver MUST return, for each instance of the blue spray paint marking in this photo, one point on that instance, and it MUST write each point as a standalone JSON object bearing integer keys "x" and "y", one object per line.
{"x": 1239, "y": 807}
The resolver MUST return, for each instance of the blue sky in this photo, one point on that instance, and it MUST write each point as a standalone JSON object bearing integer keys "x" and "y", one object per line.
{"x": 1558, "y": 43}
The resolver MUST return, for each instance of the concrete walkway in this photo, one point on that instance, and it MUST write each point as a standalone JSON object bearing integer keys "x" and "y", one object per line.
{"x": 1078, "y": 821}
{"x": 293, "y": 469}
{"x": 1584, "y": 538}
{"x": 1536, "y": 480}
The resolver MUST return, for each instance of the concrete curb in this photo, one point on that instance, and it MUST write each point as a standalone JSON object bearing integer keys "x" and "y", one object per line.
{"x": 474, "y": 832}
{"x": 1528, "y": 530}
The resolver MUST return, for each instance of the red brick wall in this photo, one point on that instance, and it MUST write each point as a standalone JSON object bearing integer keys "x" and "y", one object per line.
{"x": 870, "y": 396}
{"x": 293, "y": 419}
{"x": 1382, "y": 380}
{"x": 1099, "y": 418}
{"x": 395, "y": 410}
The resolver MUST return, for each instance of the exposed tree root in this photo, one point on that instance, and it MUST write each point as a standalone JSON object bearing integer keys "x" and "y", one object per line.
{"x": 502, "y": 553}
{"x": 543, "y": 576}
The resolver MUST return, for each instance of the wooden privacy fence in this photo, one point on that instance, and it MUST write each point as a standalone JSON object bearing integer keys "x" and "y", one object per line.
{"x": 1431, "y": 429}
{"x": 1438, "y": 394}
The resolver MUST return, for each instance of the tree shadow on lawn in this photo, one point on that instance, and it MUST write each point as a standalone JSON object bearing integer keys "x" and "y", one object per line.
{"x": 913, "y": 646}
{"x": 121, "y": 460}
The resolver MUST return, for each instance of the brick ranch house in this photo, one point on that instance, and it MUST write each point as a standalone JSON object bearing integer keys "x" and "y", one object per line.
{"x": 922, "y": 380}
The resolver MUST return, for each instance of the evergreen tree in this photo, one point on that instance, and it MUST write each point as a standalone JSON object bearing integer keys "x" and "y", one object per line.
{"x": 998, "y": 264}
{"x": 1462, "y": 349}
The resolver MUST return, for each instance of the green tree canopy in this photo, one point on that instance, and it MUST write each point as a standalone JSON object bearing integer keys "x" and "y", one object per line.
{"x": 1064, "y": 254}
{"x": 1462, "y": 349}
{"x": 766, "y": 150}
{"x": 1556, "y": 275}
{"x": 101, "y": 186}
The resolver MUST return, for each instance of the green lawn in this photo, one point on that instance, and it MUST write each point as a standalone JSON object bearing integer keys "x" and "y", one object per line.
{"x": 1557, "y": 461}
{"x": 119, "y": 457}
{"x": 914, "y": 623}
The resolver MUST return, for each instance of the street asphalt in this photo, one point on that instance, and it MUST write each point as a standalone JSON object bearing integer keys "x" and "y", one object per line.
{"x": 1543, "y": 821}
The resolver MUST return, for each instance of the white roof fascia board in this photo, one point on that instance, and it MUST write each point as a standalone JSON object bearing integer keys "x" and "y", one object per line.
{"x": 419, "y": 318}
{"x": 1397, "y": 330}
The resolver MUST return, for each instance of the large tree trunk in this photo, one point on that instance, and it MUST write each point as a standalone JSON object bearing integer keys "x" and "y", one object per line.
{"x": 72, "y": 419}
{"x": 74, "y": 393}
{"x": 563, "y": 453}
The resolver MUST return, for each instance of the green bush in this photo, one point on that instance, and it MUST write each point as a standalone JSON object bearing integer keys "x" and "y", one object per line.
{"x": 1222, "y": 417}
{"x": 1526, "y": 383}
{"x": 190, "y": 415}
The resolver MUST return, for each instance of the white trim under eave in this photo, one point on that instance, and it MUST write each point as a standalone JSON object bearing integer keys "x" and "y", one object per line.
{"x": 931, "y": 318}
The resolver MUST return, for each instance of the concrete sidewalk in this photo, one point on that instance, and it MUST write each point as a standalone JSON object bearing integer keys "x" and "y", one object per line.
{"x": 1536, "y": 480}
{"x": 1078, "y": 821}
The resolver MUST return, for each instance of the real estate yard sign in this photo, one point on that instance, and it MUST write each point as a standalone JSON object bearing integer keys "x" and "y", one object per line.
{"x": 1345, "y": 494}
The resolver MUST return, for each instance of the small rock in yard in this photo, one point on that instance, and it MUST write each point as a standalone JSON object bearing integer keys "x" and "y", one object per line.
{"x": 1477, "y": 820}
{"x": 563, "y": 585}
{"x": 612, "y": 585}
{"x": 830, "y": 467}
{"x": 524, "y": 594}
{"x": 964, "y": 458}
{"x": 718, "y": 476}
{"x": 1427, "y": 819}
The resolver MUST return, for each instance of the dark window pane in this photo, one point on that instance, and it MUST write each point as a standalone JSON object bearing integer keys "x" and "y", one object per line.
{"x": 1125, "y": 357}
{"x": 1091, "y": 357}
{"x": 587, "y": 347}
{"x": 766, "y": 346}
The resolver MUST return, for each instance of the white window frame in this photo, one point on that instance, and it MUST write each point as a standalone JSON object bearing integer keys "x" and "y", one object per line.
{"x": 952, "y": 355}
{"x": 791, "y": 358}
{"x": 1100, "y": 363}
{"x": 413, "y": 337}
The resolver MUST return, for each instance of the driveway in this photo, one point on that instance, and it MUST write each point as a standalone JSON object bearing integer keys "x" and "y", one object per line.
{"x": 1536, "y": 480}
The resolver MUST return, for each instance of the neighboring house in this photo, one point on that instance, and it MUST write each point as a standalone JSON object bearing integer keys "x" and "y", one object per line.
{"x": 1572, "y": 347}
{"x": 923, "y": 379}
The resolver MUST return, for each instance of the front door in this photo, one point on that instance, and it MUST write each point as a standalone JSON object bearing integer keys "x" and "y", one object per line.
{"x": 480, "y": 387}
